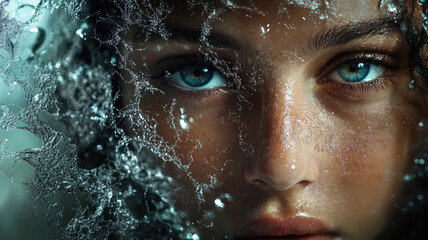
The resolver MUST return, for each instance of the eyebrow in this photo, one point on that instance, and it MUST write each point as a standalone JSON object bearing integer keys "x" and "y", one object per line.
{"x": 341, "y": 35}
{"x": 215, "y": 39}
{"x": 326, "y": 38}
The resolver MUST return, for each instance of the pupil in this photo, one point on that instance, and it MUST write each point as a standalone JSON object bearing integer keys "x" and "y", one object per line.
{"x": 198, "y": 72}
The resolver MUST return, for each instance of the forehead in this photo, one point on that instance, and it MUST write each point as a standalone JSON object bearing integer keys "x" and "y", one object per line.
{"x": 272, "y": 24}
{"x": 276, "y": 11}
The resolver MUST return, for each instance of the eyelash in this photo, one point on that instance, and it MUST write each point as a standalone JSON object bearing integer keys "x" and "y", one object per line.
{"x": 174, "y": 64}
{"x": 376, "y": 85}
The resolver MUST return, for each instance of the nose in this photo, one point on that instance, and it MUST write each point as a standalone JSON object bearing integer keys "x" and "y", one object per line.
{"x": 282, "y": 159}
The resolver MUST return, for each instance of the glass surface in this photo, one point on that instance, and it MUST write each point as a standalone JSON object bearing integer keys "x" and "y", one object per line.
{"x": 232, "y": 119}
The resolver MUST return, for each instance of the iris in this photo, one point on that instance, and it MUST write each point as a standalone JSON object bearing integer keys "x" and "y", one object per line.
{"x": 196, "y": 76}
{"x": 354, "y": 72}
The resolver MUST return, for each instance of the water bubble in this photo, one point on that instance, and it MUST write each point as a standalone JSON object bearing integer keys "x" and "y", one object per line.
{"x": 25, "y": 13}
{"x": 293, "y": 167}
{"x": 411, "y": 84}
{"x": 420, "y": 197}
{"x": 421, "y": 124}
{"x": 221, "y": 201}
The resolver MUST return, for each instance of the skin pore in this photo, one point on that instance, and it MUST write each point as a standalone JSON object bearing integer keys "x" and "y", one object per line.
{"x": 277, "y": 127}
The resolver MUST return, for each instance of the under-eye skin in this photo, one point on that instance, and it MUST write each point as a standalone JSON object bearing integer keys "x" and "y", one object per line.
{"x": 363, "y": 72}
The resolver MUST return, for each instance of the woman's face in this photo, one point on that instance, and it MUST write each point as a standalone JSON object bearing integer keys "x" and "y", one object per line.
{"x": 281, "y": 119}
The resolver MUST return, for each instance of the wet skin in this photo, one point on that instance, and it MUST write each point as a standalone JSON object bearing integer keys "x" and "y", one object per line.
{"x": 282, "y": 133}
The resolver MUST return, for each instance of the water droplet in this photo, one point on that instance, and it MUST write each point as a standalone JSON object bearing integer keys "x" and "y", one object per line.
{"x": 113, "y": 61}
{"x": 81, "y": 32}
{"x": 99, "y": 147}
{"x": 293, "y": 167}
{"x": 218, "y": 203}
{"x": 421, "y": 124}
{"x": 265, "y": 29}
{"x": 36, "y": 97}
{"x": 420, "y": 197}
{"x": 408, "y": 178}
{"x": 221, "y": 201}
{"x": 411, "y": 84}
{"x": 185, "y": 121}
{"x": 184, "y": 124}
{"x": 192, "y": 236}
{"x": 158, "y": 48}
{"x": 25, "y": 13}
{"x": 388, "y": 7}
{"x": 209, "y": 215}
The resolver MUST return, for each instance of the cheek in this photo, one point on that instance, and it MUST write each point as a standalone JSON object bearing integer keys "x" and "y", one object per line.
{"x": 369, "y": 155}
{"x": 205, "y": 137}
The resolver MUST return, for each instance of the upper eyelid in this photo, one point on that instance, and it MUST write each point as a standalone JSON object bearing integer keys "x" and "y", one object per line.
{"x": 178, "y": 62}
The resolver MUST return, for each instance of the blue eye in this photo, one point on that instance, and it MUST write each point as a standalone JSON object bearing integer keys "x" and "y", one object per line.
{"x": 355, "y": 72}
{"x": 198, "y": 77}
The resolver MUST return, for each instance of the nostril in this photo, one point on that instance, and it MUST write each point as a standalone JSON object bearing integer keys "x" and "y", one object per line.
{"x": 260, "y": 183}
